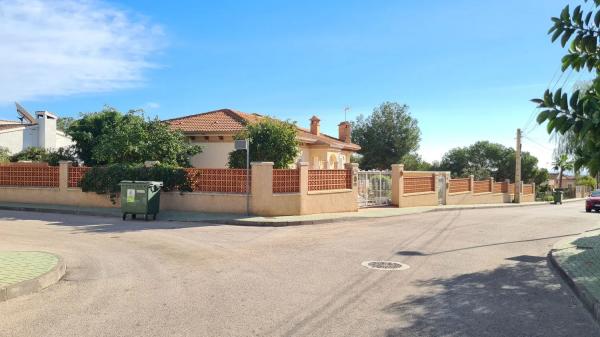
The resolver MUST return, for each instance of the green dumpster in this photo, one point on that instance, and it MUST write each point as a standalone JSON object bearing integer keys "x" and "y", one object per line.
{"x": 558, "y": 196}
{"x": 140, "y": 197}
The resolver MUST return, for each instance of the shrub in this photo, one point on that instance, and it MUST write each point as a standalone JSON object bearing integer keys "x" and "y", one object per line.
{"x": 37, "y": 154}
{"x": 31, "y": 153}
{"x": 4, "y": 155}
{"x": 106, "y": 179}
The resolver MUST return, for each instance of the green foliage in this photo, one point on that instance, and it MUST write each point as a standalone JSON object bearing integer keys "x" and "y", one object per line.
{"x": 105, "y": 179}
{"x": 381, "y": 183}
{"x": 484, "y": 159}
{"x": 36, "y": 154}
{"x": 386, "y": 136}
{"x": 414, "y": 162}
{"x": 562, "y": 164}
{"x": 63, "y": 123}
{"x": 270, "y": 140}
{"x": 586, "y": 181}
{"x": 578, "y": 113}
{"x": 110, "y": 137}
{"x": 541, "y": 180}
{"x": 4, "y": 155}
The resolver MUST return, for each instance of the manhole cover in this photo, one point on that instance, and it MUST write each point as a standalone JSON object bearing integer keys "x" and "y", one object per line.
{"x": 385, "y": 265}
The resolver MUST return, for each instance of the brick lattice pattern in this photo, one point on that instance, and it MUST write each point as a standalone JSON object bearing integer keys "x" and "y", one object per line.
{"x": 482, "y": 186}
{"x": 76, "y": 173}
{"x": 322, "y": 180}
{"x": 218, "y": 180}
{"x": 286, "y": 181}
{"x": 527, "y": 189}
{"x": 459, "y": 185}
{"x": 510, "y": 188}
{"x": 32, "y": 175}
{"x": 418, "y": 184}
{"x": 498, "y": 188}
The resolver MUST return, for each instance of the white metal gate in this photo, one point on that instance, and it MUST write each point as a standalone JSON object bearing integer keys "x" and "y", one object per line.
{"x": 374, "y": 188}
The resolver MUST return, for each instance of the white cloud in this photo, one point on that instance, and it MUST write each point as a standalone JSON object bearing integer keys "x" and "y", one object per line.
{"x": 63, "y": 47}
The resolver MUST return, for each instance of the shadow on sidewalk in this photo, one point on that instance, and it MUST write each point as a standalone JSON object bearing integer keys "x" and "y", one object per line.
{"x": 524, "y": 299}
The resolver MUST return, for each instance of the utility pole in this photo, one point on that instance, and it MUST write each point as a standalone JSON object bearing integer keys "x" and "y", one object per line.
{"x": 518, "y": 169}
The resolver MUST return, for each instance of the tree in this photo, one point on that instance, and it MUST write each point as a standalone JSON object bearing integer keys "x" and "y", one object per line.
{"x": 63, "y": 123}
{"x": 578, "y": 113}
{"x": 586, "y": 181}
{"x": 414, "y": 162}
{"x": 386, "y": 136}
{"x": 562, "y": 164}
{"x": 270, "y": 140}
{"x": 110, "y": 137}
{"x": 484, "y": 159}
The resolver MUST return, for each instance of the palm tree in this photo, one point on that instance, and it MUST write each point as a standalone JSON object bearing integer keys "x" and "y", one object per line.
{"x": 562, "y": 163}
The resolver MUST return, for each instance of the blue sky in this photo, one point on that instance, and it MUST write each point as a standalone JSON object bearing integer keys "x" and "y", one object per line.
{"x": 466, "y": 68}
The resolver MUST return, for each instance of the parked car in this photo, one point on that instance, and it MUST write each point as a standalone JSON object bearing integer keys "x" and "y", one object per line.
{"x": 593, "y": 202}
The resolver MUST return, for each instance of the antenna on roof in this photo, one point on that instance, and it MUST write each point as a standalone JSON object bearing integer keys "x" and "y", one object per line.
{"x": 23, "y": 114}
{"x": 346, "y": 109}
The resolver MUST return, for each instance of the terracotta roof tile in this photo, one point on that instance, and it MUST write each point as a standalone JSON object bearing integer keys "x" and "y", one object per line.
{"x": 232, "y": 121}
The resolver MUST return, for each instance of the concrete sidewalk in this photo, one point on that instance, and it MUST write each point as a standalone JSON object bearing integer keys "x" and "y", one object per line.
{"x": 237, "y": 219}
{"x": 22, "y": 273}
{"x": 577, "y": 260}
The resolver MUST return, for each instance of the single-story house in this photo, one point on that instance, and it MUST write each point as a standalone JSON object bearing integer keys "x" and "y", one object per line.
{"x": 215, "y": 132}
{"x": 568, "y": 181}
{"x": 29, "y": 131}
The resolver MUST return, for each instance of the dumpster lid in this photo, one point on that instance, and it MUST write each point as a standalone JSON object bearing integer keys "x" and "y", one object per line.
{"x": 148, "y": 183}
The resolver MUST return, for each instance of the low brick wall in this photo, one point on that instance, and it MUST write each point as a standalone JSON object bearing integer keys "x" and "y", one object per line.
{"x": 464, "y": 191}
{"x": 262, "y": 200}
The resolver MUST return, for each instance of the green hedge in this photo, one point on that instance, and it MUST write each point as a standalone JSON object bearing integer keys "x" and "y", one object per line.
{"x": 105, "y": 179}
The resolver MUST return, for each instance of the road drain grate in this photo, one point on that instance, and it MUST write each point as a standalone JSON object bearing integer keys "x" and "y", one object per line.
{"x": 385, "y": 265}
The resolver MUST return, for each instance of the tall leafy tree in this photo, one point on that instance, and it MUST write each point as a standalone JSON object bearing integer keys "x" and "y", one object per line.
{"x": 386, "y": 136}
{"x": 484, "y": 159}
{"x": 577, "y": 114}
{"x": 110, "y": 137}
{"x": 270, "y": 140}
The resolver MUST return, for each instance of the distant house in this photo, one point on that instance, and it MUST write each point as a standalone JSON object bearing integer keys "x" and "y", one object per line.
{"x": 567, "y": 181}
{"x": 215, "y": 131}
{"x": 39, "y": 131}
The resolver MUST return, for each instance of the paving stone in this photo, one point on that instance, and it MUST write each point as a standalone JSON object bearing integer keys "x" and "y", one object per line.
{"x": 16, "y": 267}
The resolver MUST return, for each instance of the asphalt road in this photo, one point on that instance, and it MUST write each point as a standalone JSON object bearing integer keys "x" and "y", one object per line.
{"x": 472, "y": 273}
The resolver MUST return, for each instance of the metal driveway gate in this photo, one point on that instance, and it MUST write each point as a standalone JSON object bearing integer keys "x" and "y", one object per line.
{"x": 374, "y": 188}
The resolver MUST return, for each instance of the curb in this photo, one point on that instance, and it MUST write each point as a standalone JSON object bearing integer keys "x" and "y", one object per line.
{"x": 36, "y": 284}
{"x": 590, "y": 302}
{"x": 236, "y": 222}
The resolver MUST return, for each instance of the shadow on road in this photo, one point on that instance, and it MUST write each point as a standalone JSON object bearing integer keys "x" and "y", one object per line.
{"x": 524, "y": 299}
{"x": 95, "y": 224}
{"x": 418, "y": 253}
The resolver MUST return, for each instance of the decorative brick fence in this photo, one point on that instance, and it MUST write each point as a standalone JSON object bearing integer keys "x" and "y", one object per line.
{"x": 272, "y": 191}
{"x": 417, "y": 188}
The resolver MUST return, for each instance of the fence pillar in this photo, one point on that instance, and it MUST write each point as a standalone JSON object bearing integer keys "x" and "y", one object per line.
{"x": 533, "y": 190}
{"x": 262, "y": 187}
{"x": 491, "y": 184}
{"x": 472, "y": 184}
{"x": 397, "y": 184}
{"x": 354, "y": 168}
{"x": 63, "y": 175}
{"x": 303, "y": 177}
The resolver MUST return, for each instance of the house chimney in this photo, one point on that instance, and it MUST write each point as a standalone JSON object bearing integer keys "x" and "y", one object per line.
{"x": 345, "y": 132}
{"x": 315, "y": 127}
{"x": 46, "y": 129}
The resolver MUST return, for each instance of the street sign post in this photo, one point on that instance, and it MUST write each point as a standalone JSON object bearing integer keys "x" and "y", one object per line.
{"x": 244, "y": 144}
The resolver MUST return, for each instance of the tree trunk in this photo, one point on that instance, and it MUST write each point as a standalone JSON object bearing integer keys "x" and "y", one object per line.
{"x": 560, "y": 176}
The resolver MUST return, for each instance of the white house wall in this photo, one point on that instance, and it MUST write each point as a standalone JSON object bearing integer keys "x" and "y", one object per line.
{"x": 18, "y": 139}
{"x": 214, "y": 155}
